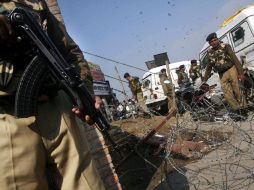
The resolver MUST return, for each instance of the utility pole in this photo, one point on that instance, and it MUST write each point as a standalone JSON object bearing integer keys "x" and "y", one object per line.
{"x": 121, "y": 82}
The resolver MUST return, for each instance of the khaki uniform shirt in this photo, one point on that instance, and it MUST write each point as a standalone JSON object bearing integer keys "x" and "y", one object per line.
{"x": 183, "y": 79}
{"x": 194, "y": 73}
{"x": 57, "y": 32}
{"x": 167, "y": 88}
{"x": 223, "y": 54}
{"x": 135, "y": 86}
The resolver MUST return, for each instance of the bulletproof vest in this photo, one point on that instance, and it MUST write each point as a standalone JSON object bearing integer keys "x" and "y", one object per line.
{"x": 184, "y": 77}
{"x": 185, "y": 81}
{"x": 135, "y": 85}
{"x": 220, "y": 59}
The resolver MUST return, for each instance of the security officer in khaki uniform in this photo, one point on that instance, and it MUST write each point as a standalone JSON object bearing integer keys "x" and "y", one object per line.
{"x": 56, "y": 141}
{"x": 222, "y": 58}
{"x": 183, "y": 79}
{"x": 194, "y": 71}
{"x": 135, "y": 87}
{"x": 168, "y": 90}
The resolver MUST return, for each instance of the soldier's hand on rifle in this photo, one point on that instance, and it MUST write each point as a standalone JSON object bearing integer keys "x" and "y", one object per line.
{"x": 6, "y": 31}
{"x": 98, "y": 102}
{"x": 97, "y": 105}
{"x": 241, "y": 77}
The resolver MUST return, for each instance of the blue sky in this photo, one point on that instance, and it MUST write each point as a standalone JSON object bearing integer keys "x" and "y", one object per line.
{"x": 132, "y": 31}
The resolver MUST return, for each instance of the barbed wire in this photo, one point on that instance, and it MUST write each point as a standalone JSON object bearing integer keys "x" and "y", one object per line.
{"x": 224, "y": 162}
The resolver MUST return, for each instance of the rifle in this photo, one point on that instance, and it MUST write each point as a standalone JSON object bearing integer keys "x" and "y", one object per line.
{"x": 49, "y": 60}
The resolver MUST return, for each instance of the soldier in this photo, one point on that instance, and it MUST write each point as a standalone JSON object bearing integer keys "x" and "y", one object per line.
{"x": 55, "y": 140}
{"x": 135, "y": 87}
{"x": 183, "y": 79}
{"x": 194, "y": 72}
{"x": 168, "y": 90}
{"x": 224, "y": 61}
{"x": 177, "y": 73}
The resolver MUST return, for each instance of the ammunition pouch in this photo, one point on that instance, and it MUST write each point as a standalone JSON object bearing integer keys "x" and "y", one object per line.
{"x": 221, "y": 68}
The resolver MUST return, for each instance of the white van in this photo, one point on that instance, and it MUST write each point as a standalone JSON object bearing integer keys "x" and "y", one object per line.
{"x": 238, "y": 31}
{"x": 152, "y": 89}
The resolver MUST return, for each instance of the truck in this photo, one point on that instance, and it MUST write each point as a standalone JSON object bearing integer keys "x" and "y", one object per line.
{"x": 152, "y": 89}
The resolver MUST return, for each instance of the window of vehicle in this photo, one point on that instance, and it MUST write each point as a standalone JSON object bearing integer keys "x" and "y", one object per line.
{"x": 238, "y": 36}
{"x": 146, "y": 83}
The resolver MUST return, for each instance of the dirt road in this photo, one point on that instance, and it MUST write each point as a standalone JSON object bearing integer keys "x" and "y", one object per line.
{"x": 227, "y": 165}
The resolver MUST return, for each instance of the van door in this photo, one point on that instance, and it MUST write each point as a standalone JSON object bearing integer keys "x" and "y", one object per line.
{"x": 242, "y": 39}
{"x": 152, "y": 90}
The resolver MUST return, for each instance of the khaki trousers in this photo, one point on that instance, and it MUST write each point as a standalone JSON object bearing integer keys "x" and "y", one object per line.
{"x": 56, "y": 141}
{"x": 172, "y": 102}
{"x": 141, "y": 102}
{"x": 231, "y": 89}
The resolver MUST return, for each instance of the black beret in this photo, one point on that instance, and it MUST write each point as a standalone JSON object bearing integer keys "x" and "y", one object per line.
{"x": 211, "y": 36}
{"x": 181, "y": 66}
{"x": 126, "y": 75}
{"x": 193, "y": 61}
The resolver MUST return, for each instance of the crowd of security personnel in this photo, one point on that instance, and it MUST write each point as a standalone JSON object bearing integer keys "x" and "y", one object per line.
{"x": 222, "y": 60}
